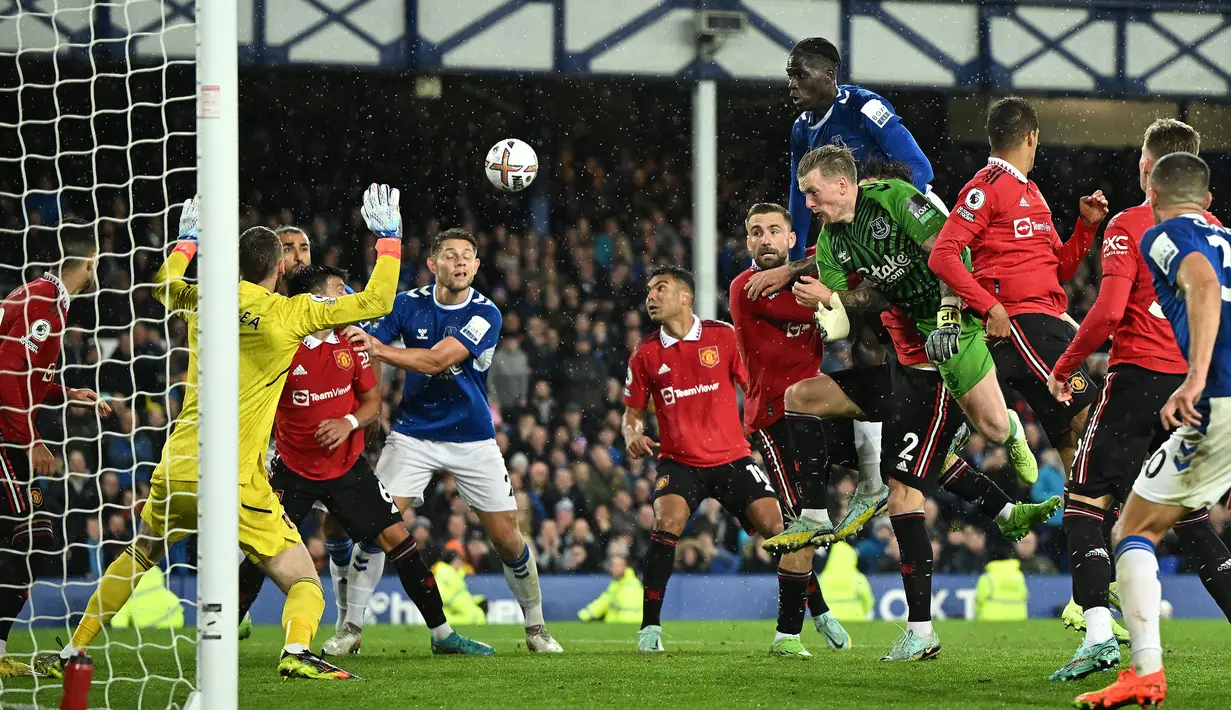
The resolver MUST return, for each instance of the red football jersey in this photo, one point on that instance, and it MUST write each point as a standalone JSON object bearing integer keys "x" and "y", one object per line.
{"x": 31, "y": 325}
{"x": 323, "y": 382}
{"x": 1018, "y": 259}
{"x": 780, "y": 344}
{"x": 692, "y": 382}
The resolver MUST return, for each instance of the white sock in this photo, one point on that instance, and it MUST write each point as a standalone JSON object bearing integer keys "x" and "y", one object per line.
{"x": 67, "y": 652}
{"x": 338, "y": 577}
{"x": 921, "y": 628}
{"x": 1005, "y": 512}
{"x": 1098, "y": 624}
{"x": 442, "y": 632}
{"x": 367, "y": 566}
{"x": 868, "y": 448}
{"x": 778, "y": 636}
{"x": 1141, "y": 594}
{"x": 522, "y": 575}
{"x": 4, "y": 647}
{"x": 293, "y": 648}
{"x": 816, "y": 515}
{"x": 1016, "y": 430}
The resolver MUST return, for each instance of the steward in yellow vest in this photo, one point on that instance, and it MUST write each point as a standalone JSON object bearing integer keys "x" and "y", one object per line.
{"x": 1001, "y": 594}
{"x": 846, "y": 589}
{"x": 621, "y": 603}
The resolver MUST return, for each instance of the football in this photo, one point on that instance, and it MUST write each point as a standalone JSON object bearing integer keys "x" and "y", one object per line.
{"x": 511, "y": 165}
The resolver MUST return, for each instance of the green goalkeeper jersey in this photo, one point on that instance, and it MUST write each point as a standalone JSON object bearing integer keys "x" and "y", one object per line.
{"x": 883, "y": 245}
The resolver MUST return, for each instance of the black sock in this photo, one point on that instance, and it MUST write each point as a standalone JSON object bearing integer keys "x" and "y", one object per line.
{"x": 251, "y": 579}
{"x": 1110, "y": 518}
{"x": 14, "y": 590}
{"x": 1089, "y": 561}
{"x": 816, "y": 600}
{"x": 915, "y": 550}
{"x": 792, "y": 600}
{"x": 972, "y": 486}
{"x": 418, "y": 581}
{"x": 659, "y": 562}
{"x": 1198, "y": 539}
{"x": 810, "y": 456}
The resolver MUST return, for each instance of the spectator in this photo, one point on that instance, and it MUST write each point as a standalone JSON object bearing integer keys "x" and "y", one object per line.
{"x": 508, "y": 381}
{"x": 1026, "y": 550}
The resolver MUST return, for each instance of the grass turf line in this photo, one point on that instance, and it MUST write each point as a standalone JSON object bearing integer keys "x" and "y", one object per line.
{"x": 707, "y": 665}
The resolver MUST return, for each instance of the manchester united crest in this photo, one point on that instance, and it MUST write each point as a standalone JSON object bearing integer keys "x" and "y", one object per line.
{"x": 36, "y": 497}
{"x": 1078, "y": 382}
{"x": 661, "y": 483}
{"x": 344, "y": 359}
{"x": 709, "y": 356}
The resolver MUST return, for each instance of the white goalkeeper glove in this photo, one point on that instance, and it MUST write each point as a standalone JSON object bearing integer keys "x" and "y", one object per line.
{"x": 943, "y": 343}
{"x": 832, "y": 320}
{"x": 190, "y": 219}
{"x": 380, "y": 211}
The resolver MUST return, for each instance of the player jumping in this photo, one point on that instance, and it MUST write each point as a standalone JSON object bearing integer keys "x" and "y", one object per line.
{"x": 271, "y": 329}
{"x": 780, "y": 345}
{"x": 329, "y": 396}
{"x": 1189, "y": 259}
{"x": 1146, "y": 367}
{"x": 1018, "y": 266}
{"x": 32, "y": 321}
{"x": 444, "y": 421}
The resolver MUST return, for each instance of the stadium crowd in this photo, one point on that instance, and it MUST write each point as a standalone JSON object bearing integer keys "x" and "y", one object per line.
{"x": 572, "y": 297}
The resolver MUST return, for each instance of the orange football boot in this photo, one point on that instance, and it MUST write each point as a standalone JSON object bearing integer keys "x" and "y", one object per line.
{"x": 1129, "y": 689}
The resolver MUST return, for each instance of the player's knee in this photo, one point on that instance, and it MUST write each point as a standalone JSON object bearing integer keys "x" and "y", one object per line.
{"x": 807, "y": 395}
{"x": 505, "y": 535}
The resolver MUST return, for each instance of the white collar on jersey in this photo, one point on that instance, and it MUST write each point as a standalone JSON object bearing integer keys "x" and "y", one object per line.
{"x": 1008, "y": 168}
{"x": 314, "y": 342}
{"x": 841, "y": 98}
{"x": 59, "y": 289}
{"x": 694, "y": 333}
{"x": 469, "y": 298}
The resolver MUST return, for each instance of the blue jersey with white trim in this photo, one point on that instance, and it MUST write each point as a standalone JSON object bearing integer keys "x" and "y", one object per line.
{"x": 451, "y": 406}
{"x": 866, "y": 123}
{"x": 1165, "y": 247}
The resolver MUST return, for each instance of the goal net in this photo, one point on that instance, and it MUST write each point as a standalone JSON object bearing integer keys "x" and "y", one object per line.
{"x": 98, "y": 123}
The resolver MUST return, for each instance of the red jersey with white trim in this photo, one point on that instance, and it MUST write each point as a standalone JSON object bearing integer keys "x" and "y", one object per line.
{"x": 1017, "y": 257}
{"x": 692, "y": 383}
{"x": 1144, "y": 336}
{"x": 780, "y": 344}
{"x": 323, "y": 382}
{"x": 31, "y": 325}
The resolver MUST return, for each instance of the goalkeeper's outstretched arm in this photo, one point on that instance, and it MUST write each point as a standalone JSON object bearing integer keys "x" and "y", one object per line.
{"x": 170, "y": 289}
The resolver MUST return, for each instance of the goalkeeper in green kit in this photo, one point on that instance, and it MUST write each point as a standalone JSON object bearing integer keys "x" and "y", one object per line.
{"x": 872, "y": 255}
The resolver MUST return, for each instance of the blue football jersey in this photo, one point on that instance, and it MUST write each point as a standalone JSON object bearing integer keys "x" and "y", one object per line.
{"x": 864, "y": 122}
{"x": 1165, "y": 246}
{"x": 451, "y": 406}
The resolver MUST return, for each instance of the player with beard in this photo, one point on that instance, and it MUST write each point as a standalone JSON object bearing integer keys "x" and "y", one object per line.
{"x": 780, "y": 346}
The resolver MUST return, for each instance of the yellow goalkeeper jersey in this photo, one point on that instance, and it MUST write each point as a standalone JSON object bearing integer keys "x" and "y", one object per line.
{"x": 271, "y": 328}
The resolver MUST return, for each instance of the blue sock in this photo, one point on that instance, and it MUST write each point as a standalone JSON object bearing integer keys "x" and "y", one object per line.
{"x": 1134, "y": 542}
{"x": 339, "y": 551}
{"x": 369, "y": 547}
{"x": 518, "y": 566}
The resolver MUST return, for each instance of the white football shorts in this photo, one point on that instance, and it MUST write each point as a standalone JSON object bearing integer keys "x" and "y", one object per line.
{"x": 407, "y": 466}
{"x": 1191, "y": 469}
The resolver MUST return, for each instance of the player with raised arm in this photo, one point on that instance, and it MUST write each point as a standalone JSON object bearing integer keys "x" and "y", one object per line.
{"x": 32, "y": 320}
{"x": 330, "y": 394}
{"x": 846, "y": 115}
{"x": 1019, "y": 263}
{"x": 1146, "y": 366}
{"x": 1190, "y": 261}
{"x": 271, "y": 329}
{"x": 689, "y": 369}
{"x": 444, "y": 422}
{"x": 780, "y": 345}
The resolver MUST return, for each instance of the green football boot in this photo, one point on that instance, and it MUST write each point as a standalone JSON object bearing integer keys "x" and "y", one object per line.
{"x": 790, "y": 646}
{"x": 1090, "y": 658}
{"x": 245, "y": 628}
{"x": 799, "y": 534}
{"x": 1021, "y": 458}
{"x": 911, "y": 647}
{"x": 1026, "y": 516}
{"x": 829, "y": 627}
{"x": 860, "y": 510}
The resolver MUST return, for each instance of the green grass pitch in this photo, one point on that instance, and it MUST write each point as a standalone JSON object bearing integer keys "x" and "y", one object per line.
{"x": 707, "y": 665}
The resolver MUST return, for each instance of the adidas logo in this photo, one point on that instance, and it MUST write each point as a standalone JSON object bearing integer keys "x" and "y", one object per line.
{"x": 1098, "y": 552}
{"x": 664, "y": 369}
{"x": 901, "y": 465}
{"x": 300, "y": 370}
{"x": 1225, "y": 566}
{"x": 1023, "y": 203}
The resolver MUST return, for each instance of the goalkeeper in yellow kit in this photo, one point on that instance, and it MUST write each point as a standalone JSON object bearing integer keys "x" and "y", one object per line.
{"x": 271, "y": 328}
